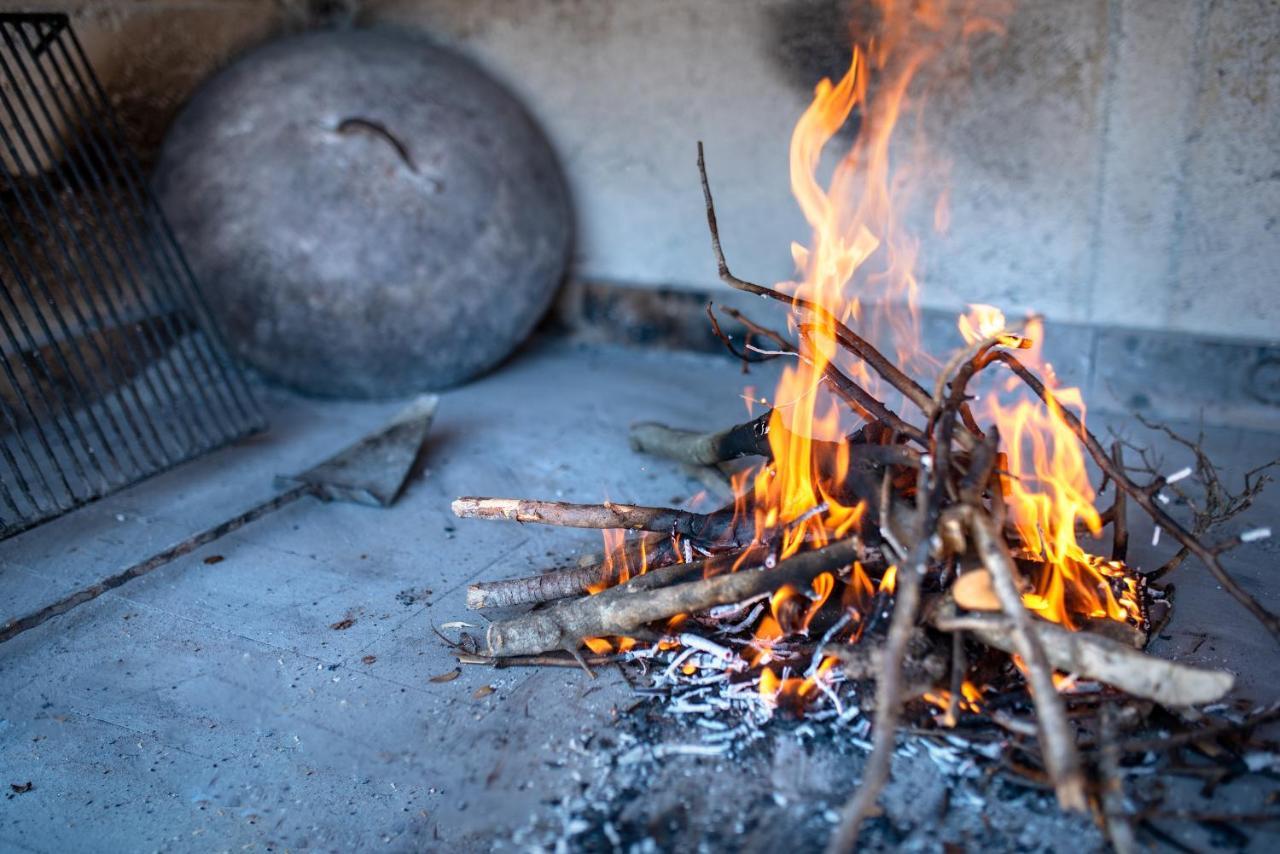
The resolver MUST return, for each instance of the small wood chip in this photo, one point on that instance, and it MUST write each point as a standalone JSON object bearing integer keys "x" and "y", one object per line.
{"x": 448, "y": 677}
{"x": 973, "y": 591}
{"x": 343, "y": 624}
{"x": 483, "y": 691}
{"x": 212, "y": 559}
{"x": 369, "y": 659}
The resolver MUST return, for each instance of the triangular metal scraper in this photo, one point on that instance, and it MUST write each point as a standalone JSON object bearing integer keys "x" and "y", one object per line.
{"x": 373, "y": 470}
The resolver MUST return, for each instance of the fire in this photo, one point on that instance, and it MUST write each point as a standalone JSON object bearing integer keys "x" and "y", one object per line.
{"x": 857, "y": 251}
{"x": 1049, "y": 495}
{"x": 858, "y": 269}
{"x": 620, "y": 563}
{"x": 970, "y": 699}
{"x": 793, "y": 692}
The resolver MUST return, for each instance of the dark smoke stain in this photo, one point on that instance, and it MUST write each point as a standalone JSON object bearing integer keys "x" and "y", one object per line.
{"x": 813, "y": 39}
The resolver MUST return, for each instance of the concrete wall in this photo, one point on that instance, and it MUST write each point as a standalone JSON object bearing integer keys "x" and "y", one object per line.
{"x": 1113, "y": 161}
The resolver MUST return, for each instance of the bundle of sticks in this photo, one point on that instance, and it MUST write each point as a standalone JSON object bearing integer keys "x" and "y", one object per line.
{"x": 933, "y": 519}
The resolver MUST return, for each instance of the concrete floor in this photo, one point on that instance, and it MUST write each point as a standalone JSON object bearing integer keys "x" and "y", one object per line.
{"x": 281, "y": 697}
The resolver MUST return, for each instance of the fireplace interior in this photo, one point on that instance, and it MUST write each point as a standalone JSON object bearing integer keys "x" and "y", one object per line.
{"x": 335, "y": 334}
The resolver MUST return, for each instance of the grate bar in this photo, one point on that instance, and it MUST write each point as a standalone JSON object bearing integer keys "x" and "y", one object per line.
{"x": 111, "y": 365}
{"x": 204, "y": 360}
{"x": 186, "y": 289}
{"x": 127, "y": 274}
{"x": 73, "y": 262}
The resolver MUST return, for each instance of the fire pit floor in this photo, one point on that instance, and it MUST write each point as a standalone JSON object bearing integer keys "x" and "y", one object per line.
{"x": 284, "y": 686}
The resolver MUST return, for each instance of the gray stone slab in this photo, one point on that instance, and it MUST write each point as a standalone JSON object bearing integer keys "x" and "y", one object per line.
{"x": 1178, "y": 377}
{"x": 217, "y": 706}
{"x": 166, "y": 509}
{"x": 1149, "y": 114}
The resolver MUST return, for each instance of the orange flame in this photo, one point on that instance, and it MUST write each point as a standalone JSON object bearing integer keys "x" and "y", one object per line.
{"x": 859, "y": 264}
{"x": 1049, "y": 493}
{"x": 794, "y": 692}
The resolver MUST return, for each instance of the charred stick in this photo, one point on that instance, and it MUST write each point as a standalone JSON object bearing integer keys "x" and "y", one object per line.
{"x": 539, "y": 660}
{"x": 646, "y": 599}
{"x": 1118, "y": 826}
{"x": 1061, "y": 758}
{"x": 606, "y": 516}
{"x": 1204, "y": 733}
{"x": 689, "y": 446}
{"x": 853, "y": 395}
{"x": 864, "y": 459}
{"x": 959, "y": 663}
{"x": 763, "y": 331}
{"x": 1119, "y": 520}
{"x": 1178, "y": 559}
{"x": 1144, "y": 497}
{"x": 744, "y": 356}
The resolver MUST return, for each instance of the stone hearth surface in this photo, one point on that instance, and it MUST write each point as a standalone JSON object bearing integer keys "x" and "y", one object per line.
{"x": 280, "y": 696}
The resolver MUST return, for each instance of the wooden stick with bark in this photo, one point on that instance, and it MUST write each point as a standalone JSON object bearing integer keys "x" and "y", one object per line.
{"x": 749, "y": 439}
{"x": 1062, "y": 760}
{"x": 623, "y": 609}
{"x": 595, "y": 571}
{"x": 1138, "y": 674}
{"x": 606, "y": 516}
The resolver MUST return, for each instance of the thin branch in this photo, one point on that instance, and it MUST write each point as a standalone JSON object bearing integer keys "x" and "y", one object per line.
{"x": 1119, "y": 519}
{"x": 607, "y": 516}
{"x": 644, "y": 553}
{"x": 889, "y": 684}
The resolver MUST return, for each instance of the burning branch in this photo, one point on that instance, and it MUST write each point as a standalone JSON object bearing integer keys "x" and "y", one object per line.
{"x": 846, "y": 337}
{"x": 687, "y": 446}
{"x": 598, "y": 571}
{"x": 1060, "y": 751}
{"x": 657, "y": 595}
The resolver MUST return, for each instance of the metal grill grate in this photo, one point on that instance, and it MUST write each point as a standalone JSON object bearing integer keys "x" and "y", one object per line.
{"x": 111, "y": 367}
